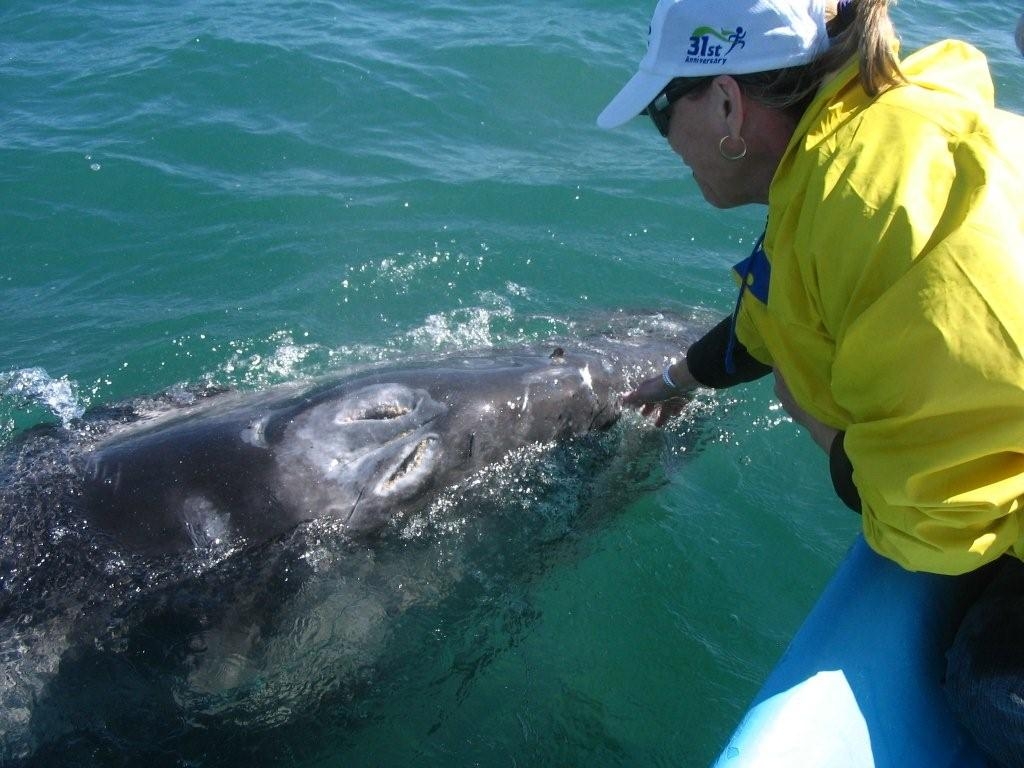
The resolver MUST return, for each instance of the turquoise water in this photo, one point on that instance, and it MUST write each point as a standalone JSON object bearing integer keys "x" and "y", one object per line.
{"x": 245, "y": 194}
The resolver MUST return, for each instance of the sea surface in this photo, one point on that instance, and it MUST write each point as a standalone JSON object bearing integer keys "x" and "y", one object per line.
{"x": 231, "y": 194}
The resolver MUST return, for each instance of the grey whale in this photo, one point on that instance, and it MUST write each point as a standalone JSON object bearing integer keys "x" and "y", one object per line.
{"x": 158, "y": 566}
{"x": 362, "y": 450}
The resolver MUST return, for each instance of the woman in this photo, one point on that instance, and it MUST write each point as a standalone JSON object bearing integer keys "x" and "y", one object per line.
{"x": 887, "y": 292}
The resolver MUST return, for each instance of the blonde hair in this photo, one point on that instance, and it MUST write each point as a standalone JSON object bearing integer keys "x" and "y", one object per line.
{"x": 857, "y": 28}
{"x": 869, "y": 34}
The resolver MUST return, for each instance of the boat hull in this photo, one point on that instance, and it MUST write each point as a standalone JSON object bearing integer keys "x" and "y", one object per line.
{"x": 861, "y": 682}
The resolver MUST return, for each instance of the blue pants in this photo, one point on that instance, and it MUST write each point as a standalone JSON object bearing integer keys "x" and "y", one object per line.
{"x": 985, "y": 667}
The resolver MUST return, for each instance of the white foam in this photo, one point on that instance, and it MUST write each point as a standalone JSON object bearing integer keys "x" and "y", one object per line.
{"x": 287, "y": 360}
{"x": 466, "y": 328}
{"x": 36, "y": 387}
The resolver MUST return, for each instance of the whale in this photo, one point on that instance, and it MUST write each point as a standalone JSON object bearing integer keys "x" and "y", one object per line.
{"x": 223, "y": 557}
{"x": 362, "y": 450}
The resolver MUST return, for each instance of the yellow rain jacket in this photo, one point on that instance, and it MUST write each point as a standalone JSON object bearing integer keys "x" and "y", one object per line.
{"x": 895, "y": 305}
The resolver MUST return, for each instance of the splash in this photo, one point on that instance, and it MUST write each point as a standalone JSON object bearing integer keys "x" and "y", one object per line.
{"x": 35, "y": 387}
{"x": 286, "y": 360}
{"x": 466, "y": 328}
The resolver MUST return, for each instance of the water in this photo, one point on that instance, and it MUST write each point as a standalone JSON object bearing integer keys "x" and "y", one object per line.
{"x": 239, "y": 195}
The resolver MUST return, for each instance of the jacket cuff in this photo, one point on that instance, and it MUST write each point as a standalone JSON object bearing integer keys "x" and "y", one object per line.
{"x": 841, "y": 469}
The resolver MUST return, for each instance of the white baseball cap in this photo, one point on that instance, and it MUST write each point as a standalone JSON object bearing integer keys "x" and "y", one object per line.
{"x": 696, "y": 38}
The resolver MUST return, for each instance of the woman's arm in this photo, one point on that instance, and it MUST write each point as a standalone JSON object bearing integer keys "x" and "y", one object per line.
{"x": 705, "y": 365}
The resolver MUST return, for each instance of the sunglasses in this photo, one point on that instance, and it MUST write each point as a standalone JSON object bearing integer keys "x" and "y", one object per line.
{"x": 660, "y": 110}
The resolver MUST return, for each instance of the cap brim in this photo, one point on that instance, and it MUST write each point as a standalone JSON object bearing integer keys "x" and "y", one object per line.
{"x": 633, "y": 99}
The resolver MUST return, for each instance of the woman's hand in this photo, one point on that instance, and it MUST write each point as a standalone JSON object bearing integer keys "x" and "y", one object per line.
{"x": 822, "y": 433}
{"x": 655, "y": 399}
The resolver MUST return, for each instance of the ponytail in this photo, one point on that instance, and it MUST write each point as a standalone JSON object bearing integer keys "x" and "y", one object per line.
{"x": 863, "y": 28}
{"x": 858, "y": 29}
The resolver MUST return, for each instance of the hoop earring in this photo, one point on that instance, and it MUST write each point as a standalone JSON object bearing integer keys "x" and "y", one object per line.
{"x": 721, "y": 148}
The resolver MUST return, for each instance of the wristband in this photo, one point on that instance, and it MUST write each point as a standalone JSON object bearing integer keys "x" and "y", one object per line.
{"x": 667, "y": 378}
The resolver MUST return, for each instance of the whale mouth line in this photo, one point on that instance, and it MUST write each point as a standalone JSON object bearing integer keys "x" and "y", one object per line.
{"x": 352, "y": 511}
